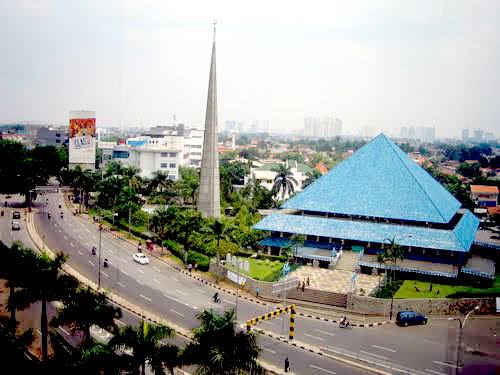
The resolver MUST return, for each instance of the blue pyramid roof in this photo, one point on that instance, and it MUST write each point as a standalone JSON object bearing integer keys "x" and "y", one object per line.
{"x": 379, "y": 180}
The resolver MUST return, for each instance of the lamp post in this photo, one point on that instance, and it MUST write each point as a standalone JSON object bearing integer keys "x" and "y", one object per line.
{"x": 394, "y": 240}
{"x": 100, "y": 245}
{"x": 461, "y": 325}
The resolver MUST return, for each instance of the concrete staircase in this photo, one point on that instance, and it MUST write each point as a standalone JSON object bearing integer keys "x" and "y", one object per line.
{"x": 318, "y": 296}
{"x": 348, "y": 261}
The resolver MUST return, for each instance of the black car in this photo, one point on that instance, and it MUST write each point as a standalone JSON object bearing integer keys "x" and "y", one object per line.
{"x": 16, "y": 215}
{"x": 407, "y": 318}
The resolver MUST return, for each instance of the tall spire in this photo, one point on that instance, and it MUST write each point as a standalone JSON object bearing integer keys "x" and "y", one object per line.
{"x": 209, "y": 191}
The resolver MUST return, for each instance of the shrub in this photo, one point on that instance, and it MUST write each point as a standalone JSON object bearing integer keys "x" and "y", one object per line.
{"x": 174, "y": 247}
{"x": 201, "y": 259}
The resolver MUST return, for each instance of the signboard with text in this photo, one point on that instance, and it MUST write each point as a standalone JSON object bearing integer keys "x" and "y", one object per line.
{"x": 82, "y": 137}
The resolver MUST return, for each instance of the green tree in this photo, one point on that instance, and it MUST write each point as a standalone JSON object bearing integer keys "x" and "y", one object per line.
{"x": 83, "y": 308}
{"x": 218, "y": 348}
{"x": 311, "y": 177}
{"x": 189, "y": 183}
{"x": 145, "y": 343}
{"x": 44, "y": 284}
{"x": 284, "y": 181}
{"x": 393, "y": 252}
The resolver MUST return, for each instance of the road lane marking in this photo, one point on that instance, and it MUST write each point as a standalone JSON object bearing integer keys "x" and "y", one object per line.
{"x": 178, "y": 313}
{"x": 93, "y": 265}
{"x": 79, "y": 252}
{"x": 199, "y": 291}
{"x": 123, "y": 260}
{"x": 269, "y": 350}
{"x": 435, "y": 372}
{"x": 445, "y": 364}
{"x": 66, "y": 332}
{"x": 138, "y": 270}
{"x": 66, "y": 238}
{"x": 323, "y": 332}
{"x": 120, "y": 322}
{"x": 125, "y": 272}
{"x": 322, "y": 369}
{"x": 382, "y": 348}
{"x": 314, "y": 337}
{"x": 431, "y": 342}
{"x": 80, "y": 237}
{"x": 146, "y": 298}
{"x": 122, "y": 285}
{"x": 173, "y": 278}
{"x": 215, "y": 305}
{"x": 71, "y": 243}
{"x": 156, "y": 280}
{"x": 111, "y": 251}
{"x": 95, "y": 238}
{"x": 140, "y": 282}
{"x": 156, "y": 269}
{"x": 105, "y": 274}
{"x": 374, "y": 355}
{"x": 60, "y": 231}
{"x": 232, "y": 303}
{"x": 178, "y": 291}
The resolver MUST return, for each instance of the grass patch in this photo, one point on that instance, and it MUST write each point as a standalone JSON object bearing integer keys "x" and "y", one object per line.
{"x": 389, "y": 290}
{"x": 421, "y": 289}
{"x": 264, "y": 270}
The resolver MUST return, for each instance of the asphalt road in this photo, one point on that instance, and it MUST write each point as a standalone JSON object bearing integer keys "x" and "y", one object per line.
{"x": 164, "y": 291}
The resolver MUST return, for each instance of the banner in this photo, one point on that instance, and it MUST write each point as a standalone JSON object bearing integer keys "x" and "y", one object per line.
{"x": 82, "y": 137}
{"x": 238, "y": 279}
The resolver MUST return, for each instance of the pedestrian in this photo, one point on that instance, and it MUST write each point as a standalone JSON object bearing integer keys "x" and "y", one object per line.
{"x": 307, "y": 281}
{"x": 257, "y": 291}
{"x": 190, "y": 267}
{"x": 303, "y": 286}
{"x": 196, "y": 267}
{"x": 287, "y": 365}
{"x": 298, "y": 285}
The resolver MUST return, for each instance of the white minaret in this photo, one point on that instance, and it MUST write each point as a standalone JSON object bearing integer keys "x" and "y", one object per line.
{"x": 209, "y": 191}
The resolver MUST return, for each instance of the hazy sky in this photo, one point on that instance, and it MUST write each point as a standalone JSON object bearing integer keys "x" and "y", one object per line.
{"x": 383, "y": 64}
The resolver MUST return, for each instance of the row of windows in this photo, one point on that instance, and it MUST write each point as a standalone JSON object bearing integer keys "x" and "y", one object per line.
{"x": 167, "y": 165}
{"x": 195, "y": 146}
{"x": 168, "y": 154}
{"x": 195, "y": 153}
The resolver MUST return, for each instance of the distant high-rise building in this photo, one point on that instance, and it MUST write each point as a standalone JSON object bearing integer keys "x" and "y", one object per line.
{"x": 328, "y": 127}
{"x": 265, "y": 126}
{"x": 420, "y": 133}
{"x": 229, "y": 125}
{"x": 465, "y": 135}
{"x": 489, "y": 136}
{"x": 403, "y": 133}
{"x": 367, "y": 132}
{"x": 478, "y": 135}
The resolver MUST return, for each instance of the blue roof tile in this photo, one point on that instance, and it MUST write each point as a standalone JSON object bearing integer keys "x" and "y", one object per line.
{"x": 378, "y": 180}
{"x": 459, "y": 239}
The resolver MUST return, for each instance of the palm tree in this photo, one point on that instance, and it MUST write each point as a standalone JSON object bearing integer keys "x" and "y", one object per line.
{"x": 44, "y": 283}
{"x": 84, "y": 308}
{"x": 113, "y": 169}
{"x": 159, "y": 181}
{"x": 393, "y": 252}
{"x": 311, "y": 177}
{"x": 219, "y": 349}
{"x": 185, "y": 223}
{"x": 284, "y": 181}
{"x": 380, "y": 260}
{"x": 144, "y": 342}
{"x": 220, "y": 229}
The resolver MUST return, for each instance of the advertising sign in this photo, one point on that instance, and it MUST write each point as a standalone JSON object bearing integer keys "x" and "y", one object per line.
{"x": 82, "y": 137}
{"x": 238, "y": 279}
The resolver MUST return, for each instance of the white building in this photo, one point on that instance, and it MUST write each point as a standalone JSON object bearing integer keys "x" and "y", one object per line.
{"x": 327, "y": 127}
{"x": 193, "y": 144}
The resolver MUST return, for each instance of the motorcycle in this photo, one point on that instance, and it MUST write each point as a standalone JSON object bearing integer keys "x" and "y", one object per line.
{"x": 345, "y": 324}
{"x": 62, "y": 215}
{"x": 93, "y": 250}
{"x": 49, "y": 215}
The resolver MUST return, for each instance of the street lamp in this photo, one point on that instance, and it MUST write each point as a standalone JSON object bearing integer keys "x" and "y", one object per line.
{"x": 100, "y": 245}
{"x": 461, "y": 325}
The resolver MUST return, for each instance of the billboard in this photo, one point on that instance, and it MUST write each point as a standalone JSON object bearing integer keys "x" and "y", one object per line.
{"x": 82, "y": 137}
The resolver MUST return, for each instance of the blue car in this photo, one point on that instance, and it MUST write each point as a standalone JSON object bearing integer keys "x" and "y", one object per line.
{"x": 408, "y": 318}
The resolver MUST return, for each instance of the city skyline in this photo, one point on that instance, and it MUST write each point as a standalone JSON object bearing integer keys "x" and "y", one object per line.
{"x": 424, "y": 64}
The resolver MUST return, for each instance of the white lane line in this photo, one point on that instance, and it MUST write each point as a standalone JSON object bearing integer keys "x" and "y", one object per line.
{"x": 178, "y": 313}
{"x": 79, "y": 252}
{"x": 66, "y": 332}
{"x": 323, "y": 332}
{"x": 105, "y": 274}
{"x": 322, "y": 369}
{"x": 138, "y": 270}
{"x": 314, "y": 337}
{"x": 445, "y": 364}
{"x": 114, "y": 256}
{"x": 60, "y": 231}
{"x": 199, "y": 291}
{"x": 173, "y": 278}
{"x": 71, "y": 243}
{"x": 215, "y": 305}
{"x": 230, "y": 302}
{"x": 146, "y": 298}
{"x": 80, "y": 237}
{"x": 122, "y": 285}
{"x": 125, "y": 272}
{"x": 269, "y": 350}
{"x": 140, "y": 282}
{"x": 156, "y": 280}
{"x": 431, "y": 342}
{"x": 120, "y": 322}
{"x": 95, "y": 238}
{"x": 156, "y": 269}
{"x": 434, "y": 372}
{"x": 93, "y": 265}
{"x": 178, "y": 291}
{"x": 111, "y": 251}
{"x": 374, "y": 355}
{"x": 124, "y": 260}
{"x": 66, "y": 238}
{"x": 382, "y": 348}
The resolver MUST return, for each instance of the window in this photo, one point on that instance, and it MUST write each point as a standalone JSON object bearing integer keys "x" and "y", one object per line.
{"x": 172, "y": 165}
{"x": 164, "y": 165}
{"x": 171, "y": 177}
{"x": 58, "y": 134}
{"x": 195, "y": 153}
{"x": 195, "y": 146}
{"x": 164, "y": 155}
{"x": 58, "y": 141}
{"x": 173, "y": 154}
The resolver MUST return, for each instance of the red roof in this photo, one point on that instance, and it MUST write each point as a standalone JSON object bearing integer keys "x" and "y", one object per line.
{"x": 320, "y": 167}
{"x": 484, "y": 189}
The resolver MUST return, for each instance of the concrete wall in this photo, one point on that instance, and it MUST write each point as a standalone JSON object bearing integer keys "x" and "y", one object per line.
{"x": 435, "y": 306}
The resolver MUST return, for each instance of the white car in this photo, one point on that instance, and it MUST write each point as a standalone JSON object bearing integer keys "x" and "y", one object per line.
{"x": 16, "y": 225}
{"x": 141, "y": 258}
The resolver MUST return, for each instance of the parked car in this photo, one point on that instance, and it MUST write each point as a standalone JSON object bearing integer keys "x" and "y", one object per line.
{"x": 408, "y": 318}
{"x": 16, "y": 215}
{"x": 16, "y": 225}
{"x": 141, "y": 258}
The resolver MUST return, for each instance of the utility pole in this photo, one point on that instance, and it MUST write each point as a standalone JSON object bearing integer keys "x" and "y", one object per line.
{"x": 461, "y": 325}
{"x": 99, "y": 268}
{"x": 237, "y": 285}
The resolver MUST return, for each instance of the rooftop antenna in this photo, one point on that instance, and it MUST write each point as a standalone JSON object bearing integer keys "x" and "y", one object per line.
{"x": 215, "y": 24}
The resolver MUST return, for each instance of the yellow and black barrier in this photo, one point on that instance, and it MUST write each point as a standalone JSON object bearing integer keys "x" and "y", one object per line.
{"x": 273, "y": 314}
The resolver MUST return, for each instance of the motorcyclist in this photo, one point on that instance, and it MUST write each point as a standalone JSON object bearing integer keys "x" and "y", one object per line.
{"x": 49, "y": 215}
{"x": 93, "y": 250}
{"x": 59, "y": 206}
{"x": 216, "y": 297}
{"x": 105, "y": 263}
{"x": 344, "y": 322}
{"x": 62, "y": 215}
